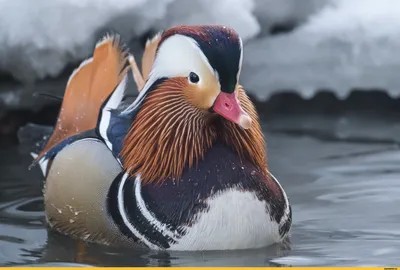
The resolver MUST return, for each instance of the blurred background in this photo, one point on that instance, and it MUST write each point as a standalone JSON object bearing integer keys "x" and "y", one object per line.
{"x": 324, "y": 75}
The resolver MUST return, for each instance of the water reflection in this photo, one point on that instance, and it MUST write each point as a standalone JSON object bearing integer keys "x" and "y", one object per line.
{"x": 62, "y": 248}
{"x": 22, "y": 232}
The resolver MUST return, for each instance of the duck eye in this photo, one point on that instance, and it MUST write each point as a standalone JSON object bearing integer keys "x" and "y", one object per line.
{"x": 193, "y": 77}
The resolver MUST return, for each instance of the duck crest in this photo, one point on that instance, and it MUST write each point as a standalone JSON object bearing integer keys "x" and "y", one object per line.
{"x": 220, "y": 44}
{"x": 169, "y": 134}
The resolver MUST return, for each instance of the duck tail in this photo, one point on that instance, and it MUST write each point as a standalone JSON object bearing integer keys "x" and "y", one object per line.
{"x": 89, "y": 86}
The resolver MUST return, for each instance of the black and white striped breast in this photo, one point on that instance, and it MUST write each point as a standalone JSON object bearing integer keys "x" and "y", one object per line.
{"x": 222, "y": 204}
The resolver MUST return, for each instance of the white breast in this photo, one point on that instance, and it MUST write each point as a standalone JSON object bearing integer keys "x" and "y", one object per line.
{"x": 236, "y": 219}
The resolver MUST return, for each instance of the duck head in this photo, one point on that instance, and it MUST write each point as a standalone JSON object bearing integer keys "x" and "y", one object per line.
{"x": 210, "y": 59}
{"x": 193, "y": 80}
{"x": 205, "y": 61}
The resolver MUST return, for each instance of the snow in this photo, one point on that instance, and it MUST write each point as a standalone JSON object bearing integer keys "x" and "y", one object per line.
{"x": 235, "y": 13}
{"x": 271, "y": 12}
{"x": 348, "y": 44}
{"x": 39, "y": 38}
{"x": 339, "y": 45}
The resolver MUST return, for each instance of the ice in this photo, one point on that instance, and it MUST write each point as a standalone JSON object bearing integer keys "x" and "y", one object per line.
{"x": 348, "y": 44}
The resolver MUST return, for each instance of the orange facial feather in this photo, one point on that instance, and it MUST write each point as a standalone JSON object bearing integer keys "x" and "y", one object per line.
{"x": 87, "y": 89}
{"x": 169, "y": 133}
{"x": 249, "y": 143}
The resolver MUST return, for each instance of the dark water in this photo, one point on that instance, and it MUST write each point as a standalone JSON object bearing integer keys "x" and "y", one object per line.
{"x": 342, "y": 176}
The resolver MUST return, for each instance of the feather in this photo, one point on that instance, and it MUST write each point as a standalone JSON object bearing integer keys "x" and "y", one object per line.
{"x": 147, "y": 62}
{"x": 169, "y": 134}
{"x": 149, "y": 55}
{"x": 87, "y": 88}
{"x": 137, "y": 76}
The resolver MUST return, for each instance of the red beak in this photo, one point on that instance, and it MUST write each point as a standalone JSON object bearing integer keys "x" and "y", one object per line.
{"x": 227, "y": 105}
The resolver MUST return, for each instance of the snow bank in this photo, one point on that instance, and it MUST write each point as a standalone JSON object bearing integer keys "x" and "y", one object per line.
{"x": 341, "y": 44}
{"x": 273, "y": 12}
{"x": 39, "y": 38}
{"x": 347, "y": 44}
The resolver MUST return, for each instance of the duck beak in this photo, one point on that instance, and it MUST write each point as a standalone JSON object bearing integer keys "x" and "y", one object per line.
{"x": 227, "y": 105}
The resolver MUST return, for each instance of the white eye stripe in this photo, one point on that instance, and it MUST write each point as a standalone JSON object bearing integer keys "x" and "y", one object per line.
{"x": 240, "y": 60}
{"x": 177, "y": 56}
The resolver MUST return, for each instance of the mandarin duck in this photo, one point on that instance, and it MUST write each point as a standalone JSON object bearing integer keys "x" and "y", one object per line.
{"x": 181, "y": 166}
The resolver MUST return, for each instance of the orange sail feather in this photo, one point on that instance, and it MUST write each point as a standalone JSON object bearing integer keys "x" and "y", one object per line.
{"x": 87, "y": 88}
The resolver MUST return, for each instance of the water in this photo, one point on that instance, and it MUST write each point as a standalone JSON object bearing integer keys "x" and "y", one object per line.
{"x": 341, "y": 174}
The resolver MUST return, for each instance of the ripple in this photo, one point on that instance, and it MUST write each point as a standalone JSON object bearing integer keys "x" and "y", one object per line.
{"x": 344, "y": 196}
{"x": 26, "y": 208}
{"x": 55, "y": 264}
{"x": 300, "y": 261}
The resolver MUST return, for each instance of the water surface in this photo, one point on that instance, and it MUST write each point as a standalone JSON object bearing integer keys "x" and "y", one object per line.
{"x": 341, "y": 175}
